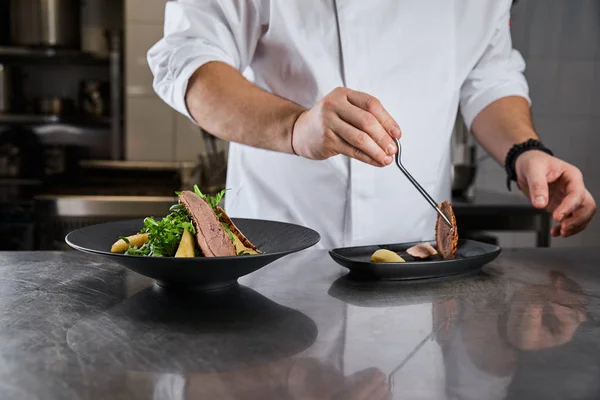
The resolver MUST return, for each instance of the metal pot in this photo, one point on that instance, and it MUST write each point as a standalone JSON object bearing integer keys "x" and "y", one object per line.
{"x": 52, "y": 23}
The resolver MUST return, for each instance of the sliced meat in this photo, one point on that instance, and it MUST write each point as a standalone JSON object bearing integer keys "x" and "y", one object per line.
{"x": 210, "y": 235}
{"x": 446, "y": 238}
{"x": 234, "y": 229}
{"x": 422, "y": 251}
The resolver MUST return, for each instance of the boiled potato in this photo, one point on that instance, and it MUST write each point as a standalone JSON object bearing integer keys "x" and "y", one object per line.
{"x": 386, "y": 256}
{"x": 136, "y": 240}
{"x": 186, "y": 247}
{"x": 239, "y": 246}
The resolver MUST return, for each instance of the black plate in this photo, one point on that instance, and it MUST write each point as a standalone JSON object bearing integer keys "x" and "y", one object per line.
{"x": 470, "y": 256}
{"x": 274, "y": 239}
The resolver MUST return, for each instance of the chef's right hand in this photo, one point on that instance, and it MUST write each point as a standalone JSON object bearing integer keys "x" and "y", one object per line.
{"x": 347, "y": 122}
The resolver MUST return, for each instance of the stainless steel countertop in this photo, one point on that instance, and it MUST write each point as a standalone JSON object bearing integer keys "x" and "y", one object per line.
{"x": 75, "y": 326}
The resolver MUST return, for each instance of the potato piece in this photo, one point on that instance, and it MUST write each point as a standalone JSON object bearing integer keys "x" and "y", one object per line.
{"x": 186, "y": 247}
{"x": 136, "y": 240}
{"x": 386, "y": 256}
{"x": 240, "y": 247}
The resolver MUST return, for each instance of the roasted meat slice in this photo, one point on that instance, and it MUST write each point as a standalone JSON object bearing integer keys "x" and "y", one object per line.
{"x": 243, "y": 240}
{"x": 446, "y": 238}
{"x": 212, "y": 239}
{"x": 422, "y": 251}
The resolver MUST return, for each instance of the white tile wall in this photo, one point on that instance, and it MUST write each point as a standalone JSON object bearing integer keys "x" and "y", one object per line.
{"x": 138, "y": 40}
{"x": 150, "y": 127}
{"x": 145, "y": 10}
{"x": 188, "y": 139}
{"x": 153, "y": 130}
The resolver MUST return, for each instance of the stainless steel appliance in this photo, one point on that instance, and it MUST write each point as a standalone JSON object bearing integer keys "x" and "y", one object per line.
{"x": 5, "y": 89}
{"x": 51, "y": 23}
{"x": 463, "y": 159}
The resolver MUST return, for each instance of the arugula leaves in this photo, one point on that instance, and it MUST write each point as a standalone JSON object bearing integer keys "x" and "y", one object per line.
{"x": 165, "y": 234}
{"x": 213, "y": 201}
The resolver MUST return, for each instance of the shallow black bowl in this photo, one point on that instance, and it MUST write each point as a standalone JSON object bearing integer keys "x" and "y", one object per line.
{"x": 274, "y": 239}
{"x": 470, "y": 256}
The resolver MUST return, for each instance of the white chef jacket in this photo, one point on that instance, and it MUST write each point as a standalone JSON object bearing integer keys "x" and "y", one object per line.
{"x": 422, "y": 59}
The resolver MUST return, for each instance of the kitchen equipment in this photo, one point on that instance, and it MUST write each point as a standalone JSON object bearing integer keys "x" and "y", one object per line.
{"x": 416, "y": 184}
{"x": 94, "y": 98}
{"x": 464, "y": 159}
{"x": 470, "y": 256}
{"x": 463, "y": 178}
{"x": 21, "y": 154}
{"x": 55, "y": 106}
{"x": 5, "y": 89}
{"x": 57, "y": 215}
{"x": 47, "y": 23}
{"x": 275, "y": 239}
{"x": 4, "y": 23}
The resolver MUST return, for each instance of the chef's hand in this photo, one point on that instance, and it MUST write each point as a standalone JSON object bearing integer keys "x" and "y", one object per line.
{"x": 347, "y": 122}
{"x": 547, "y": 316}
{"x": 309, "y": 379}
{"x": 558, "y": 187}
{"x": 369, "y": 384}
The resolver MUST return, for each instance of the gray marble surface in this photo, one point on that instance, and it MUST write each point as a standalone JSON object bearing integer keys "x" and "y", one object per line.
{"x": 77, "y": 327}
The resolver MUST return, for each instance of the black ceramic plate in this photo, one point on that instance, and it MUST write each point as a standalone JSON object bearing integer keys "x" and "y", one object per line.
{"x": 274, "y": 239}
{"x": 470, "y": 256}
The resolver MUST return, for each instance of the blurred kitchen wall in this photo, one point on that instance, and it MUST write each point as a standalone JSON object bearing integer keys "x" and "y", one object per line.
{"x": 153, "y": 130}
{"x": 560, "y": 40}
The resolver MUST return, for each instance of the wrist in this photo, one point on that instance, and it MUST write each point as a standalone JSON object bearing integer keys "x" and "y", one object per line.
{"x": 516, "y": 153}
{"x": 291, "y": 137}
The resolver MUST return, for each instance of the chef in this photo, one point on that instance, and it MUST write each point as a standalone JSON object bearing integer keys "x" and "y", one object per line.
{"x": 335, "y": 82}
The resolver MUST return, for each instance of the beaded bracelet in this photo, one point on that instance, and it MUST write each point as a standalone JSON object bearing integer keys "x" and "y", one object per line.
{"x": 515, "y": 152}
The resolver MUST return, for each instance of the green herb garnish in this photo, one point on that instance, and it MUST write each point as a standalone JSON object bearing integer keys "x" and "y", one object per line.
{"x": 165, "y": 234}
{"x": 213, "y": 201}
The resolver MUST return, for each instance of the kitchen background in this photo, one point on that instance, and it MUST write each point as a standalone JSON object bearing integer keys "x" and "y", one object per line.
{"x": 84, "y": 138}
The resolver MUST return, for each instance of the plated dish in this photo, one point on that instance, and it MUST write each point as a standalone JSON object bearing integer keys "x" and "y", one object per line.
{"x": 196, "y": 227}
{"x": 446, "y": 255}
{"x": 446, "y": 243}
{"x": 206, "y": 257}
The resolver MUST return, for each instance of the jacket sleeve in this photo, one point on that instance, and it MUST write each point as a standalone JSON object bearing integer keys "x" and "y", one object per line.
{"x": 197, "y": 32}
{"x": 497, "y": 74}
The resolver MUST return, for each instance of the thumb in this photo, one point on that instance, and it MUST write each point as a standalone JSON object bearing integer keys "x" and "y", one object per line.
{"x": 538, "y": 186}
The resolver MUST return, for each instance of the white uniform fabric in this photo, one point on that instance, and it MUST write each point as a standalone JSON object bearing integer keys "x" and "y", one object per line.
{"x": 420, "y": 58}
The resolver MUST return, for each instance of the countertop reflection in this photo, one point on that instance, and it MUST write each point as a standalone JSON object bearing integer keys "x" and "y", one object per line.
{"x": 76, "y": 327}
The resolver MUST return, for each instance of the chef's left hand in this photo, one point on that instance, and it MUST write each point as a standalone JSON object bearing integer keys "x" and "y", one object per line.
{"x": 558, "y": 187}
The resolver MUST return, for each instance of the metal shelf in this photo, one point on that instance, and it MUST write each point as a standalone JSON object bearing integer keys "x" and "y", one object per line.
{"x": 32, "y": 54}
{"x": 38, "y": 119}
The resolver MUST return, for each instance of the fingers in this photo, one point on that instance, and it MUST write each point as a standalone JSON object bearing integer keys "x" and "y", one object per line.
{"x": 374, "y": 107}
{"x": 537, "y": 185}
{"x": 366, "y": 384}
{"x": 575, "y": 193}
{"x": 358, "y": 144}
{"x": 579, "y": 219}
{"x": 367, "y": 122}
{"x": 568, "y": 319}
